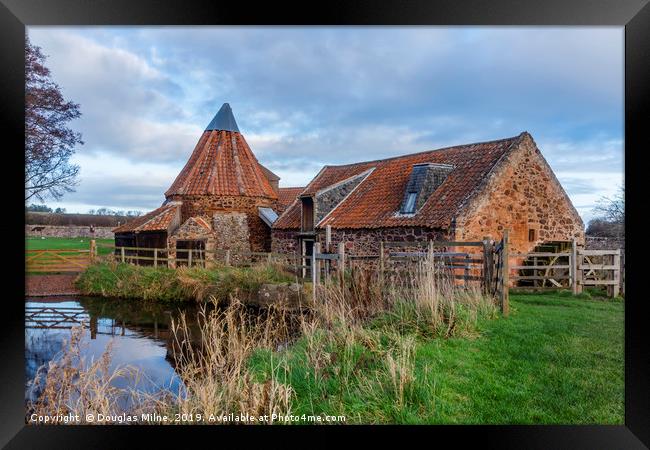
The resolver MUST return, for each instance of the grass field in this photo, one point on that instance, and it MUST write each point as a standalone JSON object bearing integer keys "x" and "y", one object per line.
{"x": 557, "y": 359}
{"x": 81, "y": 243}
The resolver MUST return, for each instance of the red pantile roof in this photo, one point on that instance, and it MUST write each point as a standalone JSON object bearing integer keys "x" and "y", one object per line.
{"x": 222, "y": 163}
{"x": 156, "y": 220}
{"x": 377, "y": 199}
{"x": 286, "y": 196}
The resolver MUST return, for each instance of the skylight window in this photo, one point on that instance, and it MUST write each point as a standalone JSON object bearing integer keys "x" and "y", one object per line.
{"x": 409, "y": 206}
{"x": 424, "y": 179}
{"x": 268, "y": 215}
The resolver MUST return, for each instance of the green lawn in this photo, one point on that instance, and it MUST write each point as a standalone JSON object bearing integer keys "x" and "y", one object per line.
{"x": 80, "y": 243}
{"x": 557, "y": 359}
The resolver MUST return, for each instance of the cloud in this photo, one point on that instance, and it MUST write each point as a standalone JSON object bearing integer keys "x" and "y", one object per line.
{"x": 305, "y": 97}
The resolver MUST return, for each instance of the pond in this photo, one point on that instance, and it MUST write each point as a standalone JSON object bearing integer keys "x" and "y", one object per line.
{"x": 140, "y": 334}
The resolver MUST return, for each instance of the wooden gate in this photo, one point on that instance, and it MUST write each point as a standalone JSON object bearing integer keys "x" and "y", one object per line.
{"x": 53, "y": 261}
{"x": 498, "y": 272}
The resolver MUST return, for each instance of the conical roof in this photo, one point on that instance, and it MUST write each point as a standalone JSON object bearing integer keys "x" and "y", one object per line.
{"x": 223, "y": 120}
{"x": 222, "y": 163}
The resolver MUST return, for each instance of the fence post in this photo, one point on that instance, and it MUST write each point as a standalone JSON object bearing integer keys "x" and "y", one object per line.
{"x": 189, "y": 258}
{"x": 122, "y": 251}
{"x": 341, "y": 264}
{"x": 573, "y": 267}
{"x": 487, "y": 264}
{"x": 617, "y": 273}
{"x": 505, "y": 291}
{"x": 315, "y": 272}
{"x": 155, "y": 257}
{"x": 621, "y": 272}
{"x": 93, "y": 249}
{"x": 228, "y": 257}
{"x": 579, "y": 272}
{"x": 317, "y": 251}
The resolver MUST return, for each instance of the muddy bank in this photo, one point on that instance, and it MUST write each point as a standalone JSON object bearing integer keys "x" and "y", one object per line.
{"x": 46, "y": 285}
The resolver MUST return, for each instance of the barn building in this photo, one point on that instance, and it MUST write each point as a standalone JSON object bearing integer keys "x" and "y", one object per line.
{"x": 461, "y": 193}
{"x": 222, "y": 199}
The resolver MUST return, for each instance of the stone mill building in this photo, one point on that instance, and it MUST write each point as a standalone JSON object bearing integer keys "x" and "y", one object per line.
{"x": 461, "y": 193}
{"x": 222, "y": 199}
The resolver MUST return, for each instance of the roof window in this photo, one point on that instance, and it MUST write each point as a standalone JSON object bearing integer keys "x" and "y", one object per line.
{"x": 425, "y": 178}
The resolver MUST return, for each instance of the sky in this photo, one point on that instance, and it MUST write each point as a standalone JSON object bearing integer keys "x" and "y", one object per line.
{"x": 304, "y": 97}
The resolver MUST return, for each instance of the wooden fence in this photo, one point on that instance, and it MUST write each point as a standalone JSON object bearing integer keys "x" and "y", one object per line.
{"x": 485, "y": 266}
{"x": 147, "y": 256}
{"x": 486, "y": 263}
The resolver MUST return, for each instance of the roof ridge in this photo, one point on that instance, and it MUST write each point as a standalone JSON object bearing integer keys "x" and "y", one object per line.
{"x": 512, "y": 138}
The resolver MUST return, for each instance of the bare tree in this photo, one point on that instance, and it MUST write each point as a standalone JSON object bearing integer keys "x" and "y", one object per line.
{"x": 610, "y": 220}
{"x": 49, "y": 143}
{"x": 612, "y": 209}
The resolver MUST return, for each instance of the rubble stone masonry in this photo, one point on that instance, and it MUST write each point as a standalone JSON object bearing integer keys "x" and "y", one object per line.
{"x": 69, "y": 231}
{"x": 207, "y": 205}
{"x": 231, "y": 231}
{"x": 523, "y": 196}
{"x": 359, "y": 241}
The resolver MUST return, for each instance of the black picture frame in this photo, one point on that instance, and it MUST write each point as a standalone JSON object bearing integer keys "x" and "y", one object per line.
{"x": 634, "y": 15}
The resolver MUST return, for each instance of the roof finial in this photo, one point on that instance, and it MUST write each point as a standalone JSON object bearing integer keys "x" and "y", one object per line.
{"x": 223, "y": 120}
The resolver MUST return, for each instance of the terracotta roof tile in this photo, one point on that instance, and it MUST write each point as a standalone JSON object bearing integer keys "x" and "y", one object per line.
{"x": 286, "y": 196}
{"x": 222, "y": 163}
{"x": 157, "y": 220}
{"x": 376, "y": 201}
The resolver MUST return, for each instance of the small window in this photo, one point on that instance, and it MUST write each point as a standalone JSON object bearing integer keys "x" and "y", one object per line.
{"x": 531, "y": 235}
{"x": 409, "y": 206}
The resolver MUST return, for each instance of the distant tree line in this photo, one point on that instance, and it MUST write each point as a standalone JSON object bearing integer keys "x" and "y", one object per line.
{"x": 102, "y": 217}
{"x": 92, "y": 212}
{"x": 110, "y": 212}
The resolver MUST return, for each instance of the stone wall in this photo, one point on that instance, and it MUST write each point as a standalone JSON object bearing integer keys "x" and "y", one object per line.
{"x": 366, "y": 241}
{"x": 359, "y": 242}
{"x": 522, "y": 195}
{"x": 604, "y": 243}
{"x": 71, "y": 231}
{"x": 208, "y": 205}
{"x": 363, "y": 242}
{"x": 231, "y": 231}
{"x": 285, "y": 242}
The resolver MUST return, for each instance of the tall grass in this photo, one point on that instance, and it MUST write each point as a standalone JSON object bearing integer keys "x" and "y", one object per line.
{"x": 213, "y": 368}
{"x": 73, "y": 385}
{"x": 113, "y": 279}
{"x": 356, "y": 343}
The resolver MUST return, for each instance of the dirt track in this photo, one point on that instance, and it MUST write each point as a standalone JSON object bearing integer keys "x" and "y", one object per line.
{"x": 44, "y": 285}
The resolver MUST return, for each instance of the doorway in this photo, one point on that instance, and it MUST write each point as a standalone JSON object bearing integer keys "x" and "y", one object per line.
{"x": 307, "y": 246}
{"x": 190, "y": 252}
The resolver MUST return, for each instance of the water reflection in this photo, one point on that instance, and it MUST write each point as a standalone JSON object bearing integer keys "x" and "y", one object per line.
{"x": 140, "y": 333}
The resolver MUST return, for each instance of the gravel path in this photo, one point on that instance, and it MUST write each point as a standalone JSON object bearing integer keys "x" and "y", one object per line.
{"x": 44, "y": 285}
